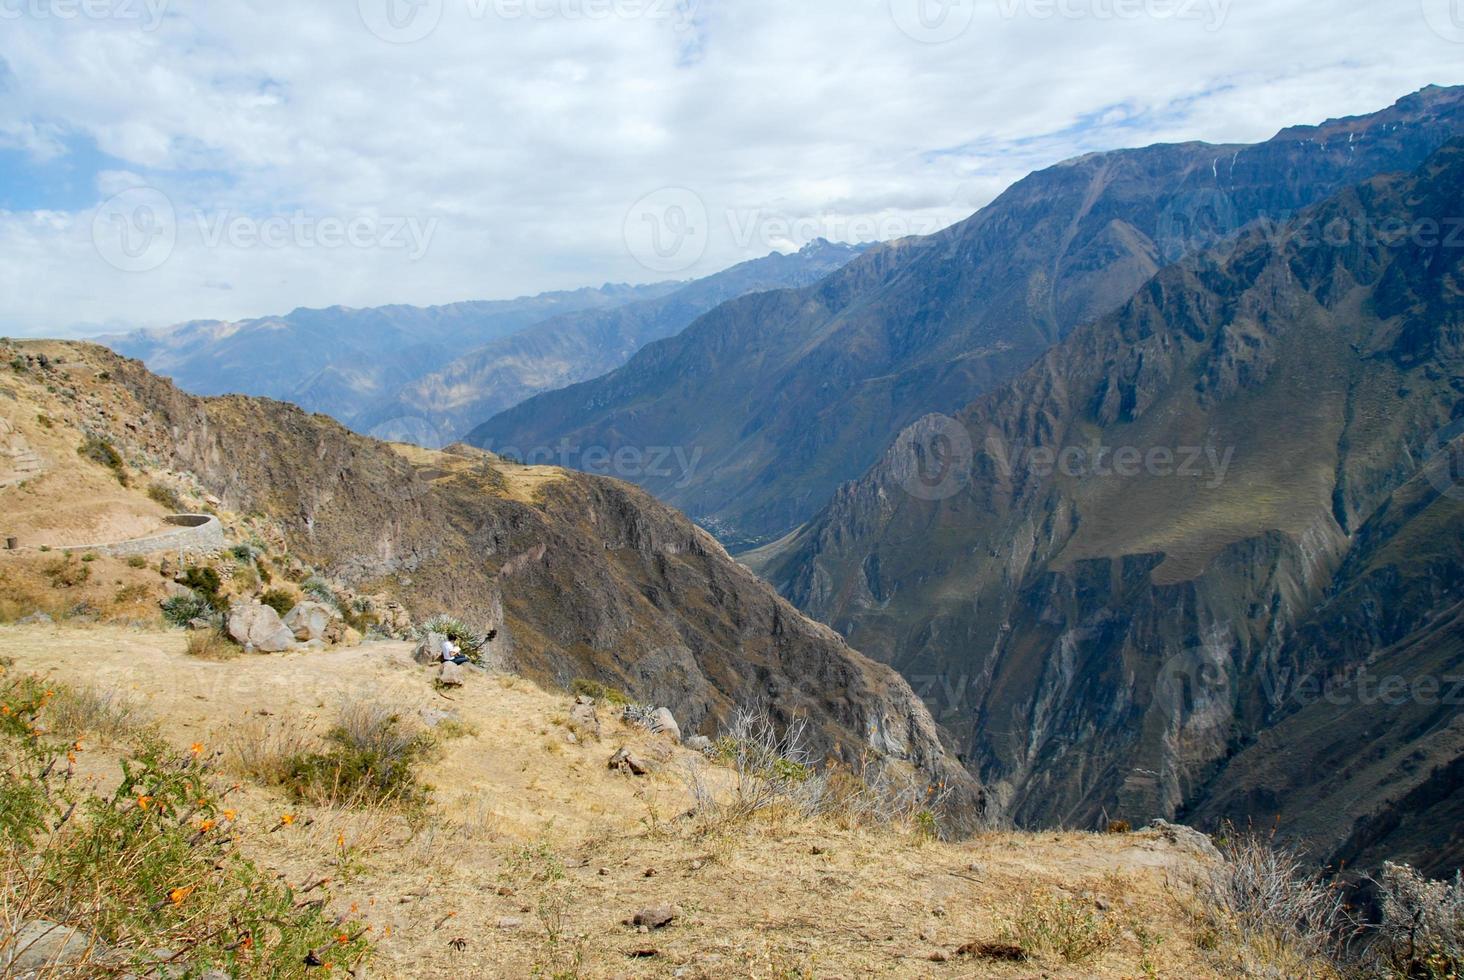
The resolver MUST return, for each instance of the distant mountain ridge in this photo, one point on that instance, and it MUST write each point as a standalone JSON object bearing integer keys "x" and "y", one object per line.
{"x": 338, "y": 360}
{"x": 785, "y": 396}
{"x": 579, "y": 345}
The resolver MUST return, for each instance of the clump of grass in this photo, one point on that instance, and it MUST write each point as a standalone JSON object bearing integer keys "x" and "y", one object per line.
{"x": 103, "y": 453}
{"x": 205, "y": 581}
{"x": 265, "y": 752}
{"x": 87, "y": 710}
{"x": 137, "y": 561}
{"x": 148, "y": 866}
{"x": 371, "y": 758}
{"x": 212, "y": 644}
{"x": 166, "y": 496}
{"x": 63, "y": 573}
{"x": 1069, "y": 929}
{"x": 600, "y": 692}
{"x": 320, "y": 590}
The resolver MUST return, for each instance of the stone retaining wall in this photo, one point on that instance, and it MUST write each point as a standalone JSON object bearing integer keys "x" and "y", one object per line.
{"x": 196, "y": 533}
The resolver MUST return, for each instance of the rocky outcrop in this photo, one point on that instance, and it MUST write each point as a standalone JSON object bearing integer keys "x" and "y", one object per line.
{"x": 258, "y": 628}
{"x": 311, "y": 621}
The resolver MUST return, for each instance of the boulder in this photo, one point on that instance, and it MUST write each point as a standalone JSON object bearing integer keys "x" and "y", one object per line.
{"x": 451, "y": 675}
{"x": 699, "y": 743}
{"x": 663, "y": 722}
{"x": 260, "y": 627}
{"x": 311, "y": 620}
{"x": 1185, "y": 838}
{"x": 627, "y": 761}
{"x": 429, "y": 651}
{"x": 584, "y": 721}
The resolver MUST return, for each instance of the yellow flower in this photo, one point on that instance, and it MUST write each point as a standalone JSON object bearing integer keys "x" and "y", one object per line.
{"x": 177, "y": 895}
{"x": 196, "y": 748}
{"x": 143, "y": 802}
{"x": 287, "y": 819}
{"x": 229, "y": 815}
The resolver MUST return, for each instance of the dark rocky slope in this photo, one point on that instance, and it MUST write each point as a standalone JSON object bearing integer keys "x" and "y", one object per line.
{"x": 1112, "y": 576}
{"x": 785, "y": 396}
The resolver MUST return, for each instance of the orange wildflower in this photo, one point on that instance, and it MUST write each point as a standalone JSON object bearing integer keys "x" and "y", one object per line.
{"x": 287, "y": 819}
{"x": 177, "y": 895}
{"x": 229, "y": 815}
{"x": 342, "y": 938}
{"x": 196, "y": 748}
{"x": 143, "y": 802}
{"x": 207, "y": 825}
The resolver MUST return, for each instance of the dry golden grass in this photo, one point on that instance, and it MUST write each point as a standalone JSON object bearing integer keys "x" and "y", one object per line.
{"x": 534, "y": 853}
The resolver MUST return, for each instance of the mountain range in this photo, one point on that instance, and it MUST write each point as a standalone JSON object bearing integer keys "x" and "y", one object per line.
{"x": 784, "y": 396}
{"x": 1164, "y": 570}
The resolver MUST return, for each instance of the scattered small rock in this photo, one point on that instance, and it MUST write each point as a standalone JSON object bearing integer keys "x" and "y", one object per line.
{"x": 656, "y": 916}
{"x": 510, "y": 923}
{"x": 699, "y": 743}
{"x": 938, "y": 956}
{"x": 35, "y": 619}
{"x": 1004, "y": 952}
{"x": 583, "y": 719}
{"x": 451, "y": 675}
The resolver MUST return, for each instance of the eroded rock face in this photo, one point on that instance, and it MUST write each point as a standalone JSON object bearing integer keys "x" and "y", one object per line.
{"x": 260, "y": 627}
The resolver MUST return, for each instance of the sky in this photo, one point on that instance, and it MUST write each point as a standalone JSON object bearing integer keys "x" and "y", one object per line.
{"x": 165, "y": 160}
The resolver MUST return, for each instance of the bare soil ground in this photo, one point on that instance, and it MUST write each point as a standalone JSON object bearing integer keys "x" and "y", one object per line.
{"x": 534, "y": 853}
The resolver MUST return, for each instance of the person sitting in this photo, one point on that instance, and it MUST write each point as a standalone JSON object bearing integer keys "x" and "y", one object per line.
{"x": 452, "y": 653}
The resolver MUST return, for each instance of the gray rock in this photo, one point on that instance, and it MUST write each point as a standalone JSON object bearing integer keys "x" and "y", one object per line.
{"x": 510, "y": 923}
{"x": 42, "y": 948}
{"x": 699, "y": 743}
{"x": 429, "y": 651}
{"x": 35, "y": 619}
{"x": 656, "y": 916}
{"x": 663, "y": 722}
{"x": 432, "y": 717}
{"x": 628, "y": 762}
{"x": 310, "y": 620}
{"x": 584, "y": 721}
{"x": 260, "y": 627}
{"x": 1185, "y": 838}
{"x": 450, "y": 675}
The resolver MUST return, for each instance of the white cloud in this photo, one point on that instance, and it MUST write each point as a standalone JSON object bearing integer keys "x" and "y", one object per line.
{"x": 523, "y": 140}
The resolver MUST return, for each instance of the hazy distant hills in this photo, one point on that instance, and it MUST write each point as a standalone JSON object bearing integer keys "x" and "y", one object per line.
{"x": 339, "y": 360}
{"x": 1165, "y": 570}
{"x": 579, "y": 345}
{"x": 784, "y": 396}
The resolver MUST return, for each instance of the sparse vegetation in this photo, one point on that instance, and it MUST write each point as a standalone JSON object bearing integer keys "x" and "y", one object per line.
{"x": 137, "y": 561}
{"x": 371, "y": 757}
{"x": 205, "y": 581}
{"x": 600, "y": 692}
{"x": 212, "y": 644}
{"x": 64, "y": 573}
{"x": 103, "y": 453}
{"x": 1421, "y": 934}
{"x": 320, "y": 590}
{"x": 1073, "y": 930}
{"x": 147, "y": 867}
{"x": 165, "y": 496}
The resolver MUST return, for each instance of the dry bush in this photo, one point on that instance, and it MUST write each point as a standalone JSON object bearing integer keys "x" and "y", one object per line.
{"x": 77, "y": 711}
{"x": 370, "y": 758}
{"x": 1274, "y": 899}
{"x": 263, "y": 751}
{"x": 1067, "y": 928}
{"x": 212, "y": 644}
{"x": 1422, "y": 928}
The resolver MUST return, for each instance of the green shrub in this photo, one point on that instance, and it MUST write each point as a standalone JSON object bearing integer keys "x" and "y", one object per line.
{"x": 148, "y": 866}
{"x": 371, "y": 759}
{"x": 470, "y": 640}
{"x": 598, "y": 691}
{"x": 204, "y": 580}
{"x": 166, "y": 496}
{"x": 279, "y": 600}
{"x": 319, "y": 589}
{"x": 180, "y": 610}
{"x": 103, "y": 453}
{"x": 137, "y": 561}
{"x": 245, "y": 553}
